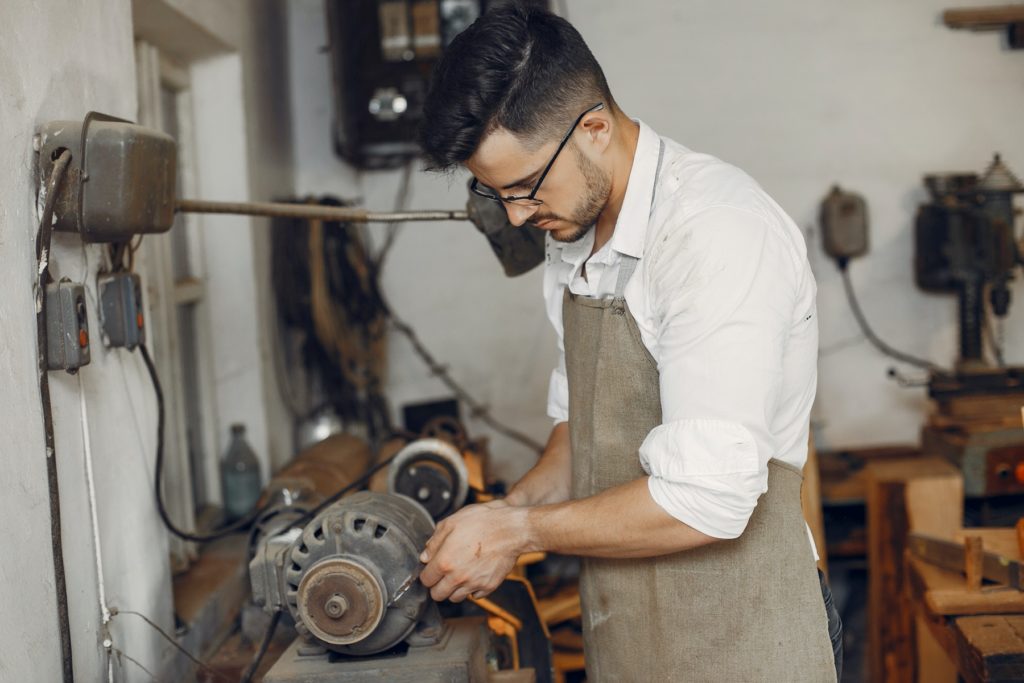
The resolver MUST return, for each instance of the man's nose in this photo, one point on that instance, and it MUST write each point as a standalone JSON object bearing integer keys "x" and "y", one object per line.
{"x": 518, "y": 214}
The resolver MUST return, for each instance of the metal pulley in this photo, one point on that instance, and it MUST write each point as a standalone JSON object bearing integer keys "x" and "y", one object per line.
{"x": 432, "y": 472}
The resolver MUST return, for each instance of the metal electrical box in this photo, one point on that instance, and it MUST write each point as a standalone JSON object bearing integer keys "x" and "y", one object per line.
{"x": 121, "y": 180}
{"x": 67, "y": 326}
{"x": 121, "y": 310}
{"x": 844, "y": 224}
{"x": 382, "y": 55}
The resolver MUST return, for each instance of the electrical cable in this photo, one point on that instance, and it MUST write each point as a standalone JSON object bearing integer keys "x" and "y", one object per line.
{"x": 49, "y": 194}
{"x": 268, "y": 636}
{"x": 122, "y": 653}
{"x": 114, "y": 611}
{"x": 477, "y": 410}
{"x": 159, "y": 467}
{"x": 870, "y": 334}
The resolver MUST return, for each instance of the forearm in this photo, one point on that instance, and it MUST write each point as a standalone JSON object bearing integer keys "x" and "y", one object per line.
{"x": 621, "y": 522}
{"x": 550, "y": 480}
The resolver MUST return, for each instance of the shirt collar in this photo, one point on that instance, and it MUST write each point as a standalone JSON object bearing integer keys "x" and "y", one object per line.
{"x": 631, "y": 226}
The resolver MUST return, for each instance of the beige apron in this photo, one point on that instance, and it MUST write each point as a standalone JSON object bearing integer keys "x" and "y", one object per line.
{"x": 748, "y": 609}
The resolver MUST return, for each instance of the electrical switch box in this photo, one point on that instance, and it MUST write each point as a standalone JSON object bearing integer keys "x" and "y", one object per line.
{"x": 67, "y": 326}
{"x": 844, "y": 224}
{"x": 121, "y": 310}
{"x": 120, "y": 182}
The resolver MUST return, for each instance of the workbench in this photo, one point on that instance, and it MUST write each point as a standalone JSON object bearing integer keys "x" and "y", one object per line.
{"x": 981, "y": 632}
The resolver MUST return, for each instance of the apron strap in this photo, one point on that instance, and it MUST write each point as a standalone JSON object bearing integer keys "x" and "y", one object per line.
{"x": 627, "y": 264}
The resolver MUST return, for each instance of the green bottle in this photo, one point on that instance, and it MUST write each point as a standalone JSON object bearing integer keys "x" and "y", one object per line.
{"x": 239, "y": 476}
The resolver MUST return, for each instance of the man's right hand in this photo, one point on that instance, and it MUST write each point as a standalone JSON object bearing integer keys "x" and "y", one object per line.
{"x": 550, "y": 480}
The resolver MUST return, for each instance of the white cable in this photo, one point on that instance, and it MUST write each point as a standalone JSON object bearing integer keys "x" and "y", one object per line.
{"x": 90, "y": 483}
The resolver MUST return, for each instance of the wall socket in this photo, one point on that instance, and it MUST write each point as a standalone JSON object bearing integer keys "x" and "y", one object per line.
{"x": 121, "y": 310}
{"x": 67, "y": 326}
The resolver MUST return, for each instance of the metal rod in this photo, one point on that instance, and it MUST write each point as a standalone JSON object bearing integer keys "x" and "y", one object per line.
{"x": 315, "y": 212}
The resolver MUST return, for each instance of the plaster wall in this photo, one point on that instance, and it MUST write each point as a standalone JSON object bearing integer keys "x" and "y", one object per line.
{"x": 799, "y": 93}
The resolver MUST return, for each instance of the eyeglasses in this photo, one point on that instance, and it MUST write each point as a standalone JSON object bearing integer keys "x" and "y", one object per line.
{"x": 531, "y": 199}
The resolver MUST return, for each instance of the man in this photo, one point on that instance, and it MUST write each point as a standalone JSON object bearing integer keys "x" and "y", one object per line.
{"x": 685, "y": 310}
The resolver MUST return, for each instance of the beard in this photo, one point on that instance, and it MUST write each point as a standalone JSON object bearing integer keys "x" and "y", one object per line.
{"x": 598, "y": 186}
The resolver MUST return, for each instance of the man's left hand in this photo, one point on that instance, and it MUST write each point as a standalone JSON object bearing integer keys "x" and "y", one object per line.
{"x": 473, "y": 551}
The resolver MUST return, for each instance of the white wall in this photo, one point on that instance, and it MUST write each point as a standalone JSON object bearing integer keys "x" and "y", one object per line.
{"x": 799, "y": 93}
{"x": 59, "y": 60}
{"x": 50, "y": 70}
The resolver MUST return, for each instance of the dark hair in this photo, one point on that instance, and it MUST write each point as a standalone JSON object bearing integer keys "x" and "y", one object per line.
{"x": 517, "y": 67}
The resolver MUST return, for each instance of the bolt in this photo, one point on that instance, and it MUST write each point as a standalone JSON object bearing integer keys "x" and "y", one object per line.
{"x": 446, "y": 495}
{"x": 423, "y": 493}
{"x": 336, "y": 606}
{"x": 412, "y": 471}
{"x": 107, "y": 643}
{"x": 337, "y": 528}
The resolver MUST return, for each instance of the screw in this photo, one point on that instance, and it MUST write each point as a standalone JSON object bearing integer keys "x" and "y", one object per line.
{"x": 446, "y": 495}
{"x": 423, "y": 493}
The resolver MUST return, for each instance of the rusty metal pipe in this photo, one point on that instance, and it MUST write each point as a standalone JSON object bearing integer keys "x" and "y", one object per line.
{"x": 315, "y": 212}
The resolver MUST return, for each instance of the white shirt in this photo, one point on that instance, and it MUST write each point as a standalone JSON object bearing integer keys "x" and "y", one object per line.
{"x": 725, "y": 302}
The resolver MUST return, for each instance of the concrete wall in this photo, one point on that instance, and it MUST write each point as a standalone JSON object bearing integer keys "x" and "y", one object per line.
{"x": 799, "y": 93}
{"x": 59, "y": 60}
{"x": 51, "y": 70}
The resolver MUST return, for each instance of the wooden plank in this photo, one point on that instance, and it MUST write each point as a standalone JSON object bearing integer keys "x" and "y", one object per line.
{"x": 934, "y": 664}
{"x": 983, "y": 17}
{"x": 985, "y": 407}
{"x": 810, "y": 499}
{"x": 945, "y": 593}
{"x": 920, "y": 494}
{"x": 990, "y": 648}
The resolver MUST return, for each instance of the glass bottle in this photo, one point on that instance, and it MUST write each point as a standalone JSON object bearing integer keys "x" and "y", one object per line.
{"x": 239, "y": 476}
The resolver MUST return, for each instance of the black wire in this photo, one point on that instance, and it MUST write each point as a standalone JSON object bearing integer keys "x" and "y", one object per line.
{"x": 158, "y": 478}
{"x": 43, "y": 239}
{"x": 114, "y": 611}
{"x": 870, "y": 334}
{"x": 301, "y": 521}
{"x": 258, "y": 657}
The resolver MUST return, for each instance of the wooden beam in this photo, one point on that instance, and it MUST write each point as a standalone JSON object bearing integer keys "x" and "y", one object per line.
{"x": 983, "y": 18}
{"x": 990, "y": 648}
{"x": 919, "y": 494}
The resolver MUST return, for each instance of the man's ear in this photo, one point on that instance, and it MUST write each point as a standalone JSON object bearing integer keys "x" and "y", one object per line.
{"x": 597, "y": 127}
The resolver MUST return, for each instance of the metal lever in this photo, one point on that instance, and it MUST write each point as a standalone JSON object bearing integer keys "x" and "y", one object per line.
{"x": 315, "y": 212}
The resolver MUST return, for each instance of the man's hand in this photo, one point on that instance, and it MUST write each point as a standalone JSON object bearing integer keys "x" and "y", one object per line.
{"x": 473, "y": 551}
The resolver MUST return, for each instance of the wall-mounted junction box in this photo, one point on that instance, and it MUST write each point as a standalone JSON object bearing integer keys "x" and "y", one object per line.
{"x": 844, "y": 224}
{"x": 67, "y": 326}
{"x": 121, "y": 310}
{"x": 120, "y": 182}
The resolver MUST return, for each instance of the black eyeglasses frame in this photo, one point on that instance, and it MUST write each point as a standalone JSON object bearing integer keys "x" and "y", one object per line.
{"x": 531, "y": 199}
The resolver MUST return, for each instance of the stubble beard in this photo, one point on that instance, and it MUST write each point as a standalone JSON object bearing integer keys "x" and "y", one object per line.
{"x": 598, "y": 188}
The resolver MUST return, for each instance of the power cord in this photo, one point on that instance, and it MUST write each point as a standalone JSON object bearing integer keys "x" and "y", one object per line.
{"x": 48, "y": 195}
{"x": 870, "y": 334}
{"x": 158, "y": 478}
{"x": 268, "y": 636}
{"x": 115, "y": 611}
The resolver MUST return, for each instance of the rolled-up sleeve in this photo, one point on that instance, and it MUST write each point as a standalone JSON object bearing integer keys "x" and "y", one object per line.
{"x": 722, "y": 288}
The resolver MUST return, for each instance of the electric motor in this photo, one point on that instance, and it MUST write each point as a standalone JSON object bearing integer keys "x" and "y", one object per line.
{"x": 350, "y": 578}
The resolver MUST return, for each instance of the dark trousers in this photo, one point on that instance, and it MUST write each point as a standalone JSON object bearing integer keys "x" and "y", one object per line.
{"x": 835, "y": 626}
